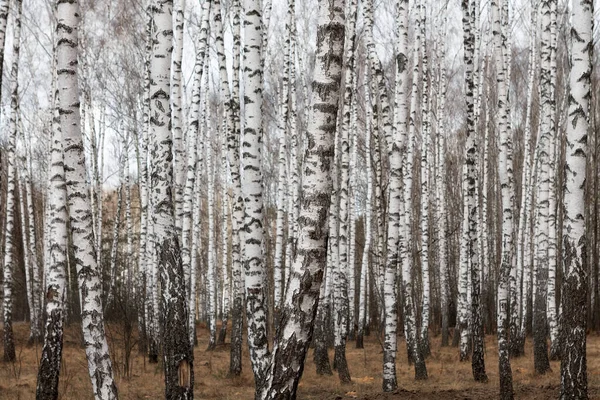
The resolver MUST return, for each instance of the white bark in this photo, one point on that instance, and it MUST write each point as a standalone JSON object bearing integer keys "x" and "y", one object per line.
{"x": 424, "y": 217}
{"x": 192, "y": 209}
{"x": 573, "y": 365}
{"x": 252, "y": 180}
{"x": 55, "y": 290}
{"x": 179, "y": 158}
{"x": 211, "y": 270}
{"x": 177, "y": 353}
{"x": 10, "y": 262}
{"x": 524, "y": 229}
{"x": 541, "y": 361}
{"x": 308, "y": 267}
{"x": 364, "y": 270}
{"x": 410, "y": 326}
{"x": 83, "y": 243}
{"x": 505, "y": 170}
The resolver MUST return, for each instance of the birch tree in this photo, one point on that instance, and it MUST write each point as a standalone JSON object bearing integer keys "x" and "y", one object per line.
{"x": 191, "y": 206}
{"x": 364, "y": 269}
{"x": 55, "y": 290}
{"x": 573, "y": 367}
{"x": 10, "y": 261}
{"x": 341, "y": 274}
{"x": 394, "y": 219}
{"x": 424, "y": 206}
{"x": 540, "y": 352}
{"x": 177, "y": 351}
{"x": 237, "y": 202}
{"x": 83, "y": 243}
{"x": 471, "y": 156}
{"x": 505, "y": 169}
{"x": 440, "y": 190}
{"x": 307, "y": 270}
{"x": 252, "y": 181}
{"x": 518, "y": 318}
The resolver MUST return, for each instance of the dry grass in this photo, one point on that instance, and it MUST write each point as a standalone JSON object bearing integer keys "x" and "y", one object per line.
{"x": 448, "y": 378}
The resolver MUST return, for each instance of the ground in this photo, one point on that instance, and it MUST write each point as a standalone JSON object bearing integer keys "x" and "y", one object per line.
{"x": 448, "y": 378}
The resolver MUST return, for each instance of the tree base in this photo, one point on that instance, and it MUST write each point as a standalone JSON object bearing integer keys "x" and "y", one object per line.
{"x": 342, "y": 364}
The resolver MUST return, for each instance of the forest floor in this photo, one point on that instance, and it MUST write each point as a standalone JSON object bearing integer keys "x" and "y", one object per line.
{"x": 448, "y": 377}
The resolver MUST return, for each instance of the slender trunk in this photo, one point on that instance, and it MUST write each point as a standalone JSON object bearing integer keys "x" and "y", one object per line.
{"x": 309, "y": 263}
{"x": 518, "y": 311}
{"x": 506, "y": 183}
{"x": 341, "y": 299}
{"x": 471, "y": 157}
{"x": 237, "y": 212}
{"x": 573, "y": 368}
{"x": 177, "y": 351}
{"x": 191, "y": 243}
{"x": 542, "y": 364}
{"x": 551, "y": 307}
{"x": 114, "y": 251}
{"x": 179, "y": 159}
{"x": 83, "y": 244}
{"x": 225, "y": 275}
{"x": 10, "y": 261}
{"x": 410, "y": 326}
{"x": 364, "y": 287}
{"x": 424, "y": 217}
{"x": 440, "y": 190}
{"x": 211, "y": 268}
{"x": 55, "y": 290}
{"x": 254, "y": 265}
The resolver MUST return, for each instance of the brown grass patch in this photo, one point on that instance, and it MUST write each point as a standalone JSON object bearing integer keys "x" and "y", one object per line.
{"x": 448, "y": 378}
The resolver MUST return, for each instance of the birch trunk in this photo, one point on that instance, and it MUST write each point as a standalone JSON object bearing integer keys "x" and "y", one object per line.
{"x": 254, "y": 265}
{"x": 191, "y": 240}
{"x": 55, "y": 290}
{"x": 440, "y": 191}
{"x": 364, "y": 270}
{"x": 29, "y": 249}
{"x": 83, "y": 243}
{"x": 390, "y": 294}
{"x": 114, "y": 250}
{"x": 211, "y": 270}
{"x": 541, "y": 362}
{"x": 309, "y": 263}
{"x": 424, "y": 217}
{"x": 341, "y": 299}
{"x": 179, "y": 159}
{"x": 471, "y": 156}
{"x": 573, "y": 367}
{"x": 237, "y": 212}
{"x": 10, "y": 261}
{"x": 36, "y": 322}
{"x": 177, "y": 352}
{"x": 517, "y": 317}
{"x": 278, "y": 271}
{"x": 553, "y": 319}
{"x": 506, "y": 183}
{"x": 225, "y": 275}
{"x": 410, "y": 326}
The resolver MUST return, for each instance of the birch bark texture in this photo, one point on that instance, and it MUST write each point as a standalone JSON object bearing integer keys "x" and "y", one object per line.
{"x": 471, "y": 157}
{"x": 302, "y": 296}
{"x": 252, "y": 191}
{"x": 10, "y": 261}
{"x": 56, "y": 279}
{"x": 573, "y": 368}
{"x": 80, "y": 213}
{"x": 177, "y": 351}
{"x": 505, "y": 170}
{"x": 399, "y": 127}
{"x": 540, "y": 330}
